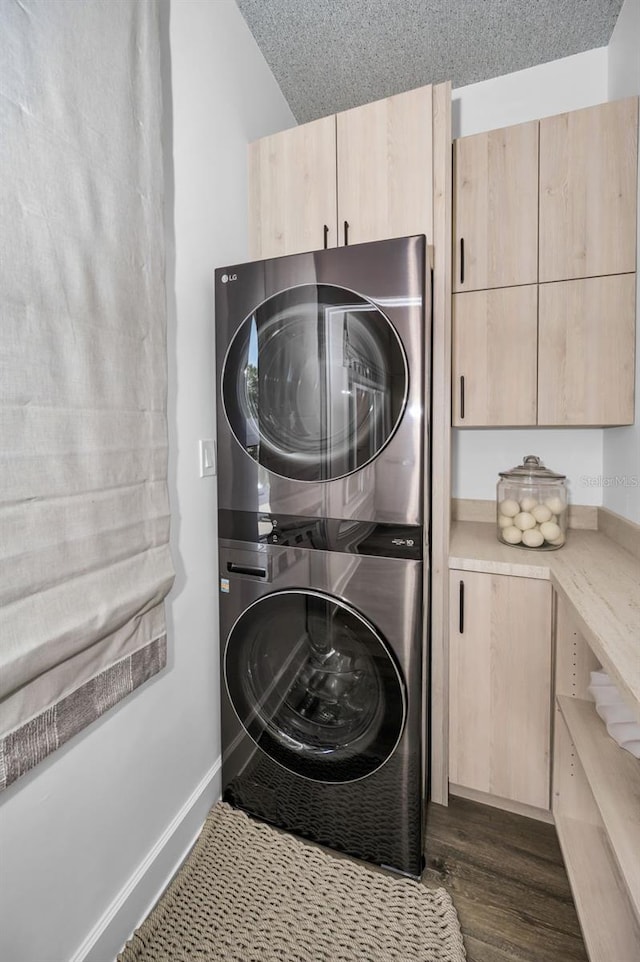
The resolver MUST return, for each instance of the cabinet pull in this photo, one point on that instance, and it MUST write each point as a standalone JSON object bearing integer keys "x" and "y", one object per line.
{"x": 346, "y": 233}
{"x": 462, "y": 397}
{"x": 326, "y": 236}
{"x": 461, "y": 608}
{"x": 462, "y": 260}
{"x": 235, "y": 569}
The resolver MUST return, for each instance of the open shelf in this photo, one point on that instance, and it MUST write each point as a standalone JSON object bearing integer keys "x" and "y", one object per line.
{"x": 613, "y": 776}
{"x": 596, "y": 786}
{"x": 609, "y": 927}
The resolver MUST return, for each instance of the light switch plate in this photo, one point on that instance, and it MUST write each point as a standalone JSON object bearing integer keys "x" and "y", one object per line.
{"x": 207, "y": 458}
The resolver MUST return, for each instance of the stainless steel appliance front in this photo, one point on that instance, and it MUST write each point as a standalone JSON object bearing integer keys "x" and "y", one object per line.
{"x": 322, "y": 381}
{"x": 322, "y": 701}
{"x": 322, "y": 385}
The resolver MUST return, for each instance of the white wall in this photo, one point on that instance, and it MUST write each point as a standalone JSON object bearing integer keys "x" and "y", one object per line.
{"x": 621, "y": 461}
{"x": 551, "y": 88}
{"x": 478, "y": 454}
{"x": 122, "y": 802}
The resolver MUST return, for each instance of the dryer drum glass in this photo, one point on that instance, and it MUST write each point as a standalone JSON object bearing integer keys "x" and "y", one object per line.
{"x": 315, "y": 383}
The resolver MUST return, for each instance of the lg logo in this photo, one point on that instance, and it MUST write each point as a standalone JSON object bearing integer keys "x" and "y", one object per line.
{"x": 228, "y": 277}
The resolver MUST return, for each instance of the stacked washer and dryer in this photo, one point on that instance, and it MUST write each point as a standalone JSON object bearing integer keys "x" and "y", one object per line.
{"x": 323, "y": 377}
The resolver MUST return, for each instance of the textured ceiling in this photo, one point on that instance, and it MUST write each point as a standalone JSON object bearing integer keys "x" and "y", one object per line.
{"x": 329, "y": 55}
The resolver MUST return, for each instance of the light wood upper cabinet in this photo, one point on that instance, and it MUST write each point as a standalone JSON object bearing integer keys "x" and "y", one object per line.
{"x": 500, "y": 686}
{"x": 496, "y": 208}
{"x": 495, "y": 346}
{"x": 586, "y": 367}
{"x": 369, "y": 168}
{"x": 588, "y": 185}
{"x": 384, "y": 168}
{"x": 581, "y": 251}
{"x": 558, "y": 354}
{"x": 292, "y": 190}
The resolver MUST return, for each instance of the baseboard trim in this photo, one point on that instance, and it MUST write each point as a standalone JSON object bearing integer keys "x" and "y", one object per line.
{"x": 506, "y": 804}
{"x": 143, "y": 889}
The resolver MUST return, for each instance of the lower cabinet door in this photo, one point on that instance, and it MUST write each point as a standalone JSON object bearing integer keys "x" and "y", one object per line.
{"x": 500, "y": 686}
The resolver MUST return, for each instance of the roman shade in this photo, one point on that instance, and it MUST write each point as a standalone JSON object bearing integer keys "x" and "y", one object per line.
{"x": 84, "y": 513}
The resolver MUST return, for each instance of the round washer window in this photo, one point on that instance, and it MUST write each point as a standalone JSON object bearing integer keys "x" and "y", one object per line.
{"x": 315, "y": 686}
{"x": 315, "y": 382}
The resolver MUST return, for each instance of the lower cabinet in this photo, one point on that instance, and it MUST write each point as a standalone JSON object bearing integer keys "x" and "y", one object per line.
{"x": 500, "y": 686}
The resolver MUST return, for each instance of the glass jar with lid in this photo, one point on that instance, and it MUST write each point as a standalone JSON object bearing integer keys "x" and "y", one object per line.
{"x": 532, "y": 506}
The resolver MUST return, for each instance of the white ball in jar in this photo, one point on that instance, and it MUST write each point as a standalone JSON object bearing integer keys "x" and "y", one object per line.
{"x": 555, "y": 505}
{"x": 533, "y": 538}
{"x": 509, "y": 508}
{"x": 512, "y": 535}
{"x": 558, "y": 541}
{"x": 550, "y": 531}
{"x": 524, "y": 521}
{"x": 504, "y": 521}
{"x": 541, "y": 513}
{"x": 528, "y": 504}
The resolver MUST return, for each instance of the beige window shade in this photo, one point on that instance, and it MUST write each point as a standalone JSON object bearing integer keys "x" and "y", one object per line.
{"x": 84, "y": 514}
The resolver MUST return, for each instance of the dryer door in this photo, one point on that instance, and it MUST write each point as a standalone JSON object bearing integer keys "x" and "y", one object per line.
{"x": 315, "y": 686}
{"x": 315, "y": 382}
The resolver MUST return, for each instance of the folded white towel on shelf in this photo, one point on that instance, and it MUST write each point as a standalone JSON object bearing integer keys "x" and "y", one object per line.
{"x": 621, "y": 722}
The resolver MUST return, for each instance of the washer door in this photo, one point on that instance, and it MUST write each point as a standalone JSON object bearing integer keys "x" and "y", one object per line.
{"x": 315, "y": 686}
{"x": 314, "y": 383}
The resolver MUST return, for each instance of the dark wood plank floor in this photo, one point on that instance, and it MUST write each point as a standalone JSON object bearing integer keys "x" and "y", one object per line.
{"x": 506, "y": 877}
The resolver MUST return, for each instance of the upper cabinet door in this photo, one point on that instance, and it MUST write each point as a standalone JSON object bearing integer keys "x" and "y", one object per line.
{"x": 494, "y": 353}
{"x": 495, "y": 214}
{"x": 385, "y": 168}
{"x": 292, "y": 190}
{"x": 588, "y": 164}
{"x": 586, "y": 361}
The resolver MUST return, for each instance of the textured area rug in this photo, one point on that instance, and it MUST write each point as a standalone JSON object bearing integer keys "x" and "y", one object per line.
{"x": 247, "y": 893}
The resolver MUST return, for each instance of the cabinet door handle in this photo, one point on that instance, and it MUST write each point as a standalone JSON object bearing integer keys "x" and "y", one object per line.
{"x": 326, "y": 236}
{"x": 461, "y": 608}
{"x": 462, "y": 397}
{"x": 346, "y": 233}
{"x": 462, "y": 260}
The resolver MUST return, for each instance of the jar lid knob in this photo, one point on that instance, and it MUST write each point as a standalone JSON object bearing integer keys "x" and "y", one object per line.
{"x": 533, "y": 469}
